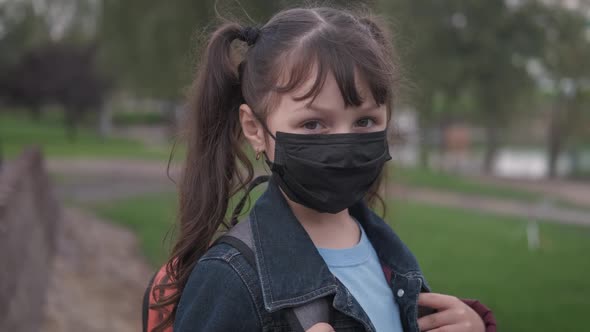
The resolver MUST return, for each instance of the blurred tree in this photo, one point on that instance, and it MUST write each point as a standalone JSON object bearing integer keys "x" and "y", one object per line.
{"x": 580, "y": 136}
{"x": 459, "y": 47}
{"x": 502, "y": 40}
{"x": 27, "y": 27}
{"x": 148, "y": 44}
{"x": 25, "y": 24}
{"x": 566, "y": 40}
{"x": 56, "y": 73}
{"x": 20, "y": 29}
{"x": 422, "y": 37}
{"x": 144, "y": 43}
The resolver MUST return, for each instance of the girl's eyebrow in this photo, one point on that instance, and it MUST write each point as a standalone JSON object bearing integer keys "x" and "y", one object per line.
{"x": 316, "y": 108}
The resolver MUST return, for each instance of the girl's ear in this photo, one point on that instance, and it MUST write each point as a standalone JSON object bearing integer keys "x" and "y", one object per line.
{"x": 253, "y": 130}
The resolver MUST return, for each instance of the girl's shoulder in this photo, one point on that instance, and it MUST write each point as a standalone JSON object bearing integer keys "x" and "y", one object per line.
{"x": 218, "y": 284}
{"x": 223, "y": 258}
{"x": 220, "y": 251}
{"x": 230, "y": 253}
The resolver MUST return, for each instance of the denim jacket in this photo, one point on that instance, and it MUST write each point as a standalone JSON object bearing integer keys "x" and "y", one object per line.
{"x": 225, "y": 293}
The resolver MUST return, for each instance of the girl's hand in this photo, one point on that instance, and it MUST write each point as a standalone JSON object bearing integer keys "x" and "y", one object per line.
{"x": 321, "y": 327}
{"x": 453, "y": 315}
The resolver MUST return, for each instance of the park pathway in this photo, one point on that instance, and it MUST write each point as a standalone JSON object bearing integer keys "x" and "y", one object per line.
{"x": 574, "y": 192}
{"x": 533, "y": 211}
{"x": 97, "y": 180}
{"x": 98, "y": 277}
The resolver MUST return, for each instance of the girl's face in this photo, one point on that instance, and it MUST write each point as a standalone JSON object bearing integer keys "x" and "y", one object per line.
{"x": 327, "y": 115}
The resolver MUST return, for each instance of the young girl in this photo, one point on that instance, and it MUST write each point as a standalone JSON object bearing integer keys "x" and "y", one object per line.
{"x": 312, "y": 95}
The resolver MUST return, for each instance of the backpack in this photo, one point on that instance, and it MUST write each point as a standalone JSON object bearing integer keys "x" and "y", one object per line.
{"x": 240, "y": 237}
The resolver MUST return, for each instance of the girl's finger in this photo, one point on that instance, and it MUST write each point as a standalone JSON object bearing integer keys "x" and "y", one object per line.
{"x": 451, "y": 328}
{"x": 437, "y": 320}
{"x": 437, "y": 301}
{"x": 321, "y": 327}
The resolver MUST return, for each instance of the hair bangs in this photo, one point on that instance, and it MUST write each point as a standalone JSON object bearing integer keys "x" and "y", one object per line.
{"x": 342, "y": 61}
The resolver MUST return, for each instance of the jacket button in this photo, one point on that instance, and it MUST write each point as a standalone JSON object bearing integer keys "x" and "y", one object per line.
{"x": 400, "y": 292}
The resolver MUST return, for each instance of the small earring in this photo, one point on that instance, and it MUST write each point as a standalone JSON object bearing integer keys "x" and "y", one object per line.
{"x": 257, "y": 155}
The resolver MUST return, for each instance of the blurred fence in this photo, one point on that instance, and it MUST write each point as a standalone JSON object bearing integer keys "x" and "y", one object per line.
{"x": 28, "y": 221}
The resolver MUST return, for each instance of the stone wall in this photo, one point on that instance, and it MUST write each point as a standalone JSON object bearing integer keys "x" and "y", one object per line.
{"x": 29, "y": 216}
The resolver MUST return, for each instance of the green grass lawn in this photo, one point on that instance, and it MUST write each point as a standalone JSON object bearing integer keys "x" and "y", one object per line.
{"x": 150, "y": 217}
{"x": 463, "y": 253}
{"x": 486, "y": 257}
{"x": 18, "y": 130}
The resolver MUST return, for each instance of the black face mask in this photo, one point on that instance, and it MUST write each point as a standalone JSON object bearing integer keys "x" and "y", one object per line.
{"x": 328, "y": 172}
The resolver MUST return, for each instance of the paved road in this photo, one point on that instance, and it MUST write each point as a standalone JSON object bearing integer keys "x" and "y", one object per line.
{"x": 574, "y": 192}
{"x": 89, "y": 180}
{"x": 529, "y": 211}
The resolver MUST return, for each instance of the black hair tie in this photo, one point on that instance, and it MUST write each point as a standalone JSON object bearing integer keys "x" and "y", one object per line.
{"x": 249, "y": 35}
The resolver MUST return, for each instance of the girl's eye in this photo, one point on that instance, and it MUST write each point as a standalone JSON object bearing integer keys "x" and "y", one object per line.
{"x": 365, "y": 123}
{"x": 312, "y": 125}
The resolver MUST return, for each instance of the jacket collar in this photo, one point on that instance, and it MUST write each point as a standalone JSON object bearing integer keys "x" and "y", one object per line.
{"x": 304, "y": 276}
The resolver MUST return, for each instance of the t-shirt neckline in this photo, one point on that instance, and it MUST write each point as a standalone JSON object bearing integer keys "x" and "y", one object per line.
{"x": 355, "y": 255}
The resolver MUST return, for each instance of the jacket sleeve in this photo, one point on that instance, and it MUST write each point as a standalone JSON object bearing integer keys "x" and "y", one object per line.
{"x": 215, "y": 298}
{"x": 484, "y": 312}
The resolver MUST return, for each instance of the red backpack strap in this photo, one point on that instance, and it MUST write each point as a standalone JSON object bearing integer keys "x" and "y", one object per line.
{"x": 152, "y": 317}
{"x": 484, "y": 312}
{"x": 146, "y": 304}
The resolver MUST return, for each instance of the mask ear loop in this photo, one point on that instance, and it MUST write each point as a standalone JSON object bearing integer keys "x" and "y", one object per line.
{"x": 238, "y": 209}
{"x": 258, "y": 180}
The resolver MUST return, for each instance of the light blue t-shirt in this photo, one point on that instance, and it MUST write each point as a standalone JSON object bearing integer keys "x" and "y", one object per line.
{"x": 359, "y": 269}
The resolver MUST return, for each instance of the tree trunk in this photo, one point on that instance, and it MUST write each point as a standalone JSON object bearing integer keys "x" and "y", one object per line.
{"x": 36, "y": 113}
{"x": 171, "y": 110}
{"x": 105, "y": 123}
{"x": 70, "y": 118}
{"x": 553, "y": 152}
{"x": 575, "y": 159}
{"x": 554, "y": 141}
{"x": 1, "y": 154}
{"x": 491, "y": 146}
{"x": 424, "y": 145}
{"x": 425, "y": 126}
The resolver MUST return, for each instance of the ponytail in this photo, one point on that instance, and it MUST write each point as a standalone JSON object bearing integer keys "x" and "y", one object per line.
{"x": 210, "y": 175}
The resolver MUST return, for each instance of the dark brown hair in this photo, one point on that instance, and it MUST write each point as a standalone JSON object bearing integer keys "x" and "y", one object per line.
{"x": 341, "y": 41}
